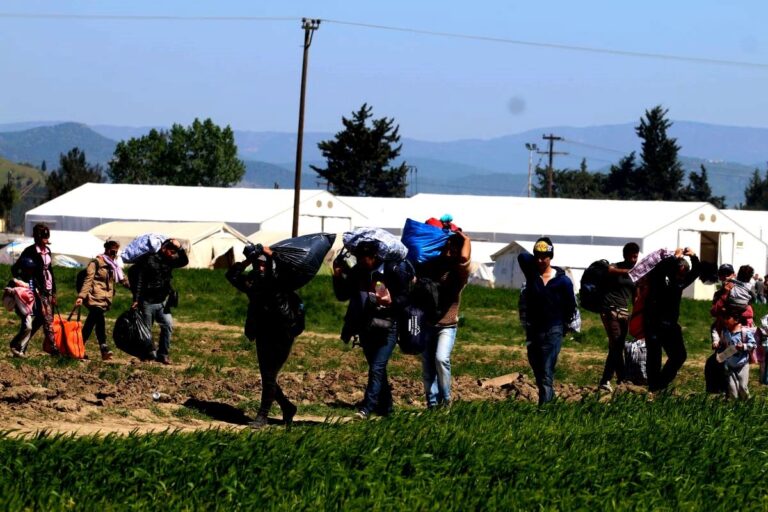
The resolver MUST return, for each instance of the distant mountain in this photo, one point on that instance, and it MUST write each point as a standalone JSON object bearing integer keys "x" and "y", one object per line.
{"x": 48, "y": 142}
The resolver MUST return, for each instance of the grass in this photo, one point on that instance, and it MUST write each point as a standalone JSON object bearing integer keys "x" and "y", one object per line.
{"x": 671, "y": 453}
{"x": 627, "y": 455}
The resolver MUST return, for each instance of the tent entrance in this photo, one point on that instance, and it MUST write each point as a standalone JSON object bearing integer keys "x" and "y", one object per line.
{"x": 714, "y": 247}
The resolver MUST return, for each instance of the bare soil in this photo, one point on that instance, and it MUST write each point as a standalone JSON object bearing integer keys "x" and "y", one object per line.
{"x": 126, "y": 395}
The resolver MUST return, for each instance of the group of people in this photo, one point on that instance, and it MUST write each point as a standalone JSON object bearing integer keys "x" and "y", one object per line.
{"x": 31, "y": 292}
{"x": 378, "y": 289}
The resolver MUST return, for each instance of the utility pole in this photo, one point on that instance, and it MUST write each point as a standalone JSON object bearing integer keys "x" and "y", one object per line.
{"x": 531, "y": 149}
{"x": 309, "y": 26}
{"x": 551, "y": 138}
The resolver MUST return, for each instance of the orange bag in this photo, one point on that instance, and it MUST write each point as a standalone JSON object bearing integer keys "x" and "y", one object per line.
{"x": 68, "y": 335}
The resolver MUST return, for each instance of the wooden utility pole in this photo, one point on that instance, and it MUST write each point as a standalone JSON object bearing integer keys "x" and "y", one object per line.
{"x": 551, "y": 138}
{"x": 309, "y": 26}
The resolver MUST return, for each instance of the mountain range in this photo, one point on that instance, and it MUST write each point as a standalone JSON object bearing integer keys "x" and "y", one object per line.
{"x": 472, "y": 166}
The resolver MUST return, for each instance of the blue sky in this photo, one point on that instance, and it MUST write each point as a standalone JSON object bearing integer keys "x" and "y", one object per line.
{"x": 246, "y": 73}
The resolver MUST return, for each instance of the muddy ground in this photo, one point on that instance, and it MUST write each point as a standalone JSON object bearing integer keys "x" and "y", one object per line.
{"x": 127, "y": 395}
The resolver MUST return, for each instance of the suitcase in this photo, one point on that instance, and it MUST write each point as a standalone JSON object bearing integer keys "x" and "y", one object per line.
{"x": 68, "y": 335}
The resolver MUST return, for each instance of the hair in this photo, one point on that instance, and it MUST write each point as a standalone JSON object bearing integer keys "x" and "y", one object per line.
{"x": 366, "y": 249}
{"x": 745, "y": 273}
{"x": 40, "y": 231}
{"x": 630, "y": 248}
{"x": 682, "y": 263}
{"x": 111, "y": 244}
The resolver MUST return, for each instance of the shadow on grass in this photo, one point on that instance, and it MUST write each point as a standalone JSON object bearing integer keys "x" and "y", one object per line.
{"x": 218, "y": 411}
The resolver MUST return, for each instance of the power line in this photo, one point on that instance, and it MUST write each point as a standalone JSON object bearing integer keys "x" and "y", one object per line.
{"x": 601, "y": 148}
{"x": 432, "y": 33}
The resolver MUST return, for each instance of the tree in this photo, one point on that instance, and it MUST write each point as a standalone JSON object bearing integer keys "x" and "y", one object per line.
{"x": 698, "y": 189}
{"x": 358, "y": 158}
{"x": 202, "y": 154}
{"x": 756, "y": 193}
{"x": 8, "y": 197}
{"x": 570, "y": 183}
{"x": 620, "y": 182}
{"x": 660, "y": 175}
{"x": 73, "y": 171}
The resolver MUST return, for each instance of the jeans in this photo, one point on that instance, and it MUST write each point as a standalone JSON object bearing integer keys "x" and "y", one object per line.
{"x": 667, "y": 336}
{"x": 42, "y": 317}
{"x": 155, "y": 312}
{"x": 615, "y": 323}
{"x": 378, "y": 349}
{"x": 543, "y": 349}
{"x": 436, "y": 365}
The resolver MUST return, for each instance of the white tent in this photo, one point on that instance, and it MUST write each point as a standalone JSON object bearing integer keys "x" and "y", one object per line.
{"x": 208, "y": 244}
{"x": 75, "y": 245}
{"x": 245, "y": 209}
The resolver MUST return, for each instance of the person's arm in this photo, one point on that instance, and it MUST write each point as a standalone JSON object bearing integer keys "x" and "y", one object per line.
{"x": 569, "y": 300}
{"x": 613, "y": 269}
{"x": 465, "y": 255}
{"x": 181, "y": 260}
{"x": 749, "y": 342}
{"x": 342, "y": 279}
{"x": 527, "y": 264}
{"x": 235, "y": 276}
{"x": 695, "y": 270}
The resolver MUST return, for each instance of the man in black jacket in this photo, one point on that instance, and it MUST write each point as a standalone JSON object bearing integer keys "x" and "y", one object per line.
{"x": 151, "y": 287}
{"x": 44, "y": 286}
{"x": 666, "y": 283}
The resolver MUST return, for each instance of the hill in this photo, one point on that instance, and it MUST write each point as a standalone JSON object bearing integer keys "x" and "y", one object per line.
{"x": 29, "y": 181}
{"x": 46, "y": 143}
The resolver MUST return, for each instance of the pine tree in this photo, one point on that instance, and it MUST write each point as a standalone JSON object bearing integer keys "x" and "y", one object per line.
{"x": 660, "y": 175}
{"x": 73, "y": 171}
{"x": 698, "y": 189}
{"x": 620, "y": 183}
{"x": 756, "y": 193}
{"x": 358, "y": 158}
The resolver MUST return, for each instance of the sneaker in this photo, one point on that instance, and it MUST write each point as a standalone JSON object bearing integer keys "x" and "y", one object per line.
{"x": 606, "y": 386}
{"x": 106, "y": 355}
{"x": 260, "y": 422}
{"x": 361, "y": 415}
{"x": 17, "y": 353}
{"x": 163, "y": 359}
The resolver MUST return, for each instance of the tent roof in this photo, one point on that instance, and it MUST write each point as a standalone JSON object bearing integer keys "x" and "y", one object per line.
{"x": 172, "y": 203}
{"x": 523, "y": 215}
{"x": 754, "y": 221}
{"x": 191, "y": 231}
{"x": 570, "y": 255}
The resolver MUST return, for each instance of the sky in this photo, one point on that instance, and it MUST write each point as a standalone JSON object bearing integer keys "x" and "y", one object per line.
{"x": 125, "y": 68}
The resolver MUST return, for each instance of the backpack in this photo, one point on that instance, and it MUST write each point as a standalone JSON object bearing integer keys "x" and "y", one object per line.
{"x": 739, "y": 297}
{"x": 592, "y": 287}
{"x": 80, "y": 277}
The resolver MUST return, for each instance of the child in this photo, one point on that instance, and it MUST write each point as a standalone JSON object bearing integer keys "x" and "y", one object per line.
{"x": 736, "y": 343}
{"x": 20, "y": 295}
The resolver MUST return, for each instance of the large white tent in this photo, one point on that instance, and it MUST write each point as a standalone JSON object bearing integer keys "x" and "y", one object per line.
{"x": 208, "y": 244}
{"x": 247, "y": 210}
{"x": 66, "y": 246}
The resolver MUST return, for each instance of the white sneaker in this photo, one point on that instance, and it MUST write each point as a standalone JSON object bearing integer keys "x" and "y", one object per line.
{"x": 17, "y": 353}
{"x": 606, "y": 387}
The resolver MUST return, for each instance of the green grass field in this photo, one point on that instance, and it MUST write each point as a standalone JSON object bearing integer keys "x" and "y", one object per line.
{"x": 681, "y": 452}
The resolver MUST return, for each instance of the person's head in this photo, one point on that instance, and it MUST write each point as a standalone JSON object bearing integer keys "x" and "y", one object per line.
{"x": 27, "y": 266}
{"x": 452, "y": 247}
{"x": 111, "y": 248}
{"x": 170, "y": 248}
{"x": 41, "y": 234}
{"x": 725, "y": 272}
{"x": 366, "y": 254}
{"x": 732, "y": 319}
{"x": 745, "y": 273}
{"x": 682, "y": 269}
{"x": 543, "y": 251}
{"x": 630, "y": 252}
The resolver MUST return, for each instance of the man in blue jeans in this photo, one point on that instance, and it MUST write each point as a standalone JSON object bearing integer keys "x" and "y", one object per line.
{"x": 550, "y": 304}
{"x": 150, "y": 280}
{"x": 376, "y": 291}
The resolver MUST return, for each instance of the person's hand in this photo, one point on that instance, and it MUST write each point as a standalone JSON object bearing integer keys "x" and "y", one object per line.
{"x": 679, "y": 252}
{"x": 53, "y": 300}
{"x": 78, "y": 302}
{"x": 135, "y": 305}
{"x": 715, "y": 345}
{"x": 739, "y": 346}
{"x": 688, "y": 252}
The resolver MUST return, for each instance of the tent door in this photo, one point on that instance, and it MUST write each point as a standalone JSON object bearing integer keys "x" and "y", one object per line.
{"x": 727, "y": 247}
{"x": 689, "y": 238}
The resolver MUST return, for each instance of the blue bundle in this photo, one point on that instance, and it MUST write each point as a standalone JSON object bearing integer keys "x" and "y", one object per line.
{"x": 424, "y": 242}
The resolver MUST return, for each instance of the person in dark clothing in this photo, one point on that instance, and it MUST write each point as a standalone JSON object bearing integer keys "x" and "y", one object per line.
{"x": 666, "y": 283}
{"x": 270, "y": 322}
{"x": 44, "y": 284}
{"x": 150, "y": 280}
{"x": 377, "y": 292}
{"x": 615, "y": 314}
{"x": 551, "y": 305}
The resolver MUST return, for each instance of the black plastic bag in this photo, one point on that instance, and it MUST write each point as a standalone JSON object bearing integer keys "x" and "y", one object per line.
{"x": 132, "y": 335}
{"x": 297, "y": 260}
{"x": 414, "y": 330}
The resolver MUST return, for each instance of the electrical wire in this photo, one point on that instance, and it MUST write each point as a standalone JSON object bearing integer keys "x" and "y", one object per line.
{"x": 431, "y": 33}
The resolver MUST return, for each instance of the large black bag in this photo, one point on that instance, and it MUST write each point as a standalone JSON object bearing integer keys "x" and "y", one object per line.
{"x": 297, "y": 260}
{"x": 714, "y": 375}
{"x": 592, "y": 287}
{"x": 132, "y": 335}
